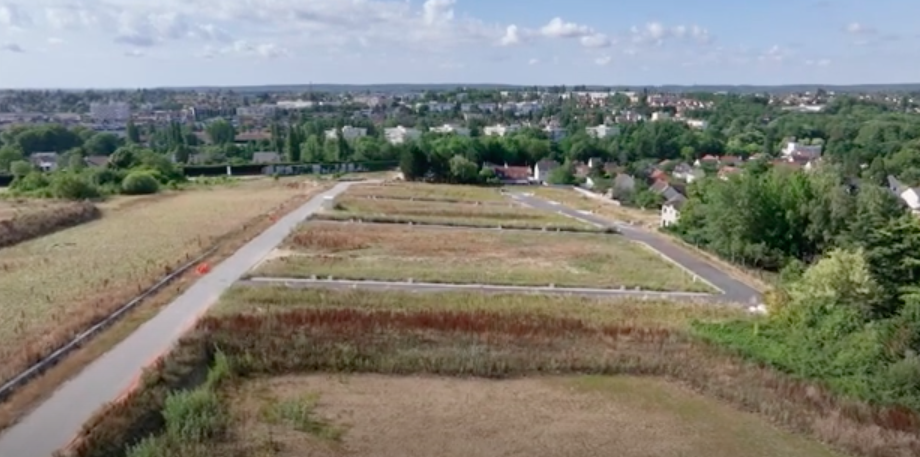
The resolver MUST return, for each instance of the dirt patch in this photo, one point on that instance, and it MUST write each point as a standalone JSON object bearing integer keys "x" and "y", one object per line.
{"x": 372, "y": 415}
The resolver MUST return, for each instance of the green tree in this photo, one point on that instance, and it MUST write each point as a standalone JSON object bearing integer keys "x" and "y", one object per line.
{"x": 413, "y": 163}
{"x": 8, "y": 155}
{"x": 133, "y": 135}
{"x": 463, "y": 171}
{"x": 563, "y": 174}
{"x": 292, "y": 145}
{"x": 102, "y": 144}
{"x": 221, "y": 132}
{"x": 20, "y": 168}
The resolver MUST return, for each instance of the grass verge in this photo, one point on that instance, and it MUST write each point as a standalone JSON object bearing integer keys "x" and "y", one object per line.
{"x": 24, "y": 220}
{"x": 442, "y": 192}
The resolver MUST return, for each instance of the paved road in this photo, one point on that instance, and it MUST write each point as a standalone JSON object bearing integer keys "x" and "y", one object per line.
{"x": 733, "y": 289}
{"x": 55, "y": 422}
{"x": 441, "y": 287}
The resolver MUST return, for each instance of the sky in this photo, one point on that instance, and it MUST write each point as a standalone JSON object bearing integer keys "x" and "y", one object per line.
{"x": 158, "y": 43}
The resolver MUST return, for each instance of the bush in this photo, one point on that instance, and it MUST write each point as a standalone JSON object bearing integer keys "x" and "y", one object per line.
{"x": 73, "y": 186}
{"x": 140, "y": 183}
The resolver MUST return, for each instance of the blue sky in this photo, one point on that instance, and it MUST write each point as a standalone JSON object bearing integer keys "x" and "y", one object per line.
{"x": 148, "y": 43}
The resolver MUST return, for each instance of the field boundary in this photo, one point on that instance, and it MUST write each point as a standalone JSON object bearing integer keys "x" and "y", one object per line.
{"x": 429, "y": 200}
{"x": 319, "y": 218}
{"x": 403, "y": 221}
{"x": 420, "y": 286}
{"x": 8, "y": 388}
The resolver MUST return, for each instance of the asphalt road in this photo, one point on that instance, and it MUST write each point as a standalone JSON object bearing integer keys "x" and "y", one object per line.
{"x": 421, "y": 287}
{"x": 55, "y": 422}
{"x": 733, "y": 289}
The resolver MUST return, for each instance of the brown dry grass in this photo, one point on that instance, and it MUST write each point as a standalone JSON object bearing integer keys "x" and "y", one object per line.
{"x": 53, "y": 287}
{"x": 649, "y": 220}
{"x": 388, "y": 252}
{"x": 624, "y": 311}
{"x": 36, "y": 390}
{"x": 512, "y": 215}
{"x": 429, "y": 191}
{"x": 581, "y": 416}
{"x": 25, "y": 219}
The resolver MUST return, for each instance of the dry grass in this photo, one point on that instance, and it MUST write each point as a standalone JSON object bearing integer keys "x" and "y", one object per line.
{"x": 623, "y": 311}
{"x": 609, "y": 209}
{"x": 39, "y": 388}
{"x": 374, "y": 415}
{"x": 447, "y": 192}
{"x": 512, "y": 215}
{"x": 53, "y": 287}
{"x": 25, "y": 219}
{"x": 389, "y": 252}
{"x": 649, "y": 220}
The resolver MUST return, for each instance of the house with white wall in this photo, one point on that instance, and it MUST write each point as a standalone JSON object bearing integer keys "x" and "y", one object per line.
{"x": 451, "y": 129}
{"x": 400, "y": 134}
{"x": 348, "y": 132}
{"x": 500, "y": 129}
{"x": 602, "y": 131}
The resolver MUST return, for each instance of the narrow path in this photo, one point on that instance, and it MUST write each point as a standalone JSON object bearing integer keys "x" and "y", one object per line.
{"x": 55, "y": 422}
{"x": 303, "y": 283}
{"x": 734, "y": 290}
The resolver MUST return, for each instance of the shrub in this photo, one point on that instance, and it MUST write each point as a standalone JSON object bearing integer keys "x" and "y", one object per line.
{"x": 73, "y": 186}
{"x": 140, "y": 183}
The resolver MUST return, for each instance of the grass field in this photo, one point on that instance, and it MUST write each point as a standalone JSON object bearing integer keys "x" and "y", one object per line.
{"x": 762, "y": 281}
{"x": 446, "y": 192}
{"x": 373, "y": 415}
{"x": 55, "y": 285}
{"x": 508, "y": 375}
{"x": 625, "y": 311}
{"x": 510, "y": 216}
{"x": 398, "y": 253}
{"x": 25, "y": 219}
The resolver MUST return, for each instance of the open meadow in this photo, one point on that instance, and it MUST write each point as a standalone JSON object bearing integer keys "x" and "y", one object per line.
{"x": 509, "y": 215}
{"x": 25, "y": 219}
{"x": 56, "y": 286}
{"x": 497, "y": 375}
{"x": 474, "y": 256}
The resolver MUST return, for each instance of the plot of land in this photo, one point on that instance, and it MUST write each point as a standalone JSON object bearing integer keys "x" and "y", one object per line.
{"x": 444, "y": 192}
{"x": 512, "y": 215}
{"x": 373, "y": 415}
{"x": 52, "y": 286}
{"x": 572, "y": 198}
{"x": 398, "y": 253}
{"x": 622, "y": 311}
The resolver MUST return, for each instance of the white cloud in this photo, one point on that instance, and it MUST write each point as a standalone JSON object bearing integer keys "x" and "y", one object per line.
{"x": 13, "y": 16}
{"x": 657, "y": 33}
{"x": 134, "y": 53}
{"x": 512, "y": 36}
{"x": 11, "y": 47}
{"x": 70, "y": 17}
{"x": 774, "y": 54}
{"x": 533, "y": 61}
{"x": 597, "y": 40}
{"x": 855, "y": 28}
{"x": 603, "y": 60}
{"x": 557, "y": 28}
{"x": 438, "y": 11}
{"x": 54, "y": 41}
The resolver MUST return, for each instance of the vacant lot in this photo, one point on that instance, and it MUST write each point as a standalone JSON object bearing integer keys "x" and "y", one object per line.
{"x": 573, "y": 199}
{"x": 373, "y": 415}
{"x": 444, "y": 192}
{"x": 55, "y": 285}
{"x": 624, "y": 311}
{"x": 391, "y": 252}
{"x": 25, "y": 219}
{"x": 444, "y": 213}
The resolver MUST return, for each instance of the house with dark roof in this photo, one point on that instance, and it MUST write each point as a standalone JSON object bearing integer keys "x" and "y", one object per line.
{"x": 45, "y": 161}
{"x": 511, "y": 174}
